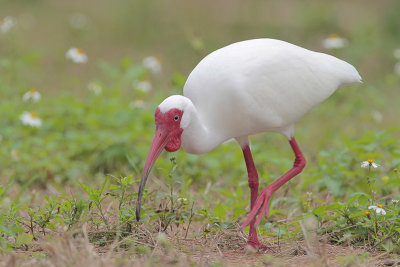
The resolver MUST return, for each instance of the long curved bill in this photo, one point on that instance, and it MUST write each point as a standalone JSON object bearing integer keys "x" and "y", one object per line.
{"x": 160, "y": 140}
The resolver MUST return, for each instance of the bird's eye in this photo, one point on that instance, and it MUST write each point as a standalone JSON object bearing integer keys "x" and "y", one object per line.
{"x": 176, "y": 118}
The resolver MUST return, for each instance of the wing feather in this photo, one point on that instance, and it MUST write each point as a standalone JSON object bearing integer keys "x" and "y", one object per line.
{"x": 263, "y": 85}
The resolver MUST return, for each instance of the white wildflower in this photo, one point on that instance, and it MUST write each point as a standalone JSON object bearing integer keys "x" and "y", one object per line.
{"x": 31, "y": 119}
{"x": 78, "y": 21}
{"x": 31, "y": 94}
{"x": 378, "y": 209}
{"x": 15, "y": 155}
{"x": 182, "y": 200}
{"x": 397, "y": 68}
{"x": 77, "y": 55}
{"x": 152, "y": 64}
{"x": 347, "y": 237}
{"x": 369, "y": 163}
{"x": 334, "y": 41}
{"x": 6, "y": 24}
{"x": 395, "y": 201}
{"x": 396, "y": 53}
{"x": 207, "y": 228}
{"x": 143, "y": 86}
{"x": 27, "y": 21}
{"x": 162, "y": 238}
{"x": 95, "y": 88}
{"x": 377, "y": 116}
{"x": 137, "y": 104}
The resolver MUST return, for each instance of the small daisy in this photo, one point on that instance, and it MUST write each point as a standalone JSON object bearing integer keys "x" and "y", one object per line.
{"x": 369, "y": 163}
{"x": 378, "y": 209}
{"x": 77, "y": 55}
{"x": 377, "y": 116}
{"x": 396, "y": 53}
{"x": 137, "y": 104}
{"x": 26, "y": 20}
{"x": 31, "y": 94}
{"x": 162, "y": 237}
{"x": 143, "y": 86}
{"x": 207, "y": 228}
{"x": 15, "y": 155}
{"x": 395, "y": 201}
{"x": 78, "y": 21}
{"x": 95, "y": 88}
{"x": 31, "y": 119}
{"x": 152, "y": 64}
{"x": 397, "y": 68}
{"x": 182, "y": 200}
{"x": 197, "y": 43}
{"x": 334, "y": 41}
{"x": 6, "y": 24}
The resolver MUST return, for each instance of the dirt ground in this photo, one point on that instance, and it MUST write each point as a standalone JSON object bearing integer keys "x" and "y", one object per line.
{"x": 219, "y": 249}
{"x": 291, "y": 254}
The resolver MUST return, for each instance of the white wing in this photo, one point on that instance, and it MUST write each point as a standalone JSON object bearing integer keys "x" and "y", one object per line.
{"x": 263, "y": 85}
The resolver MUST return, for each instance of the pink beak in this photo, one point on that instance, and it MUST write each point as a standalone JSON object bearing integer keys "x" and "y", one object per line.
{"x": 160, "y": 140}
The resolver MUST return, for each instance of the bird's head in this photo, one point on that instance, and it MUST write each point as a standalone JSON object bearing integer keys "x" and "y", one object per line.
{"x": 170, "y": 120}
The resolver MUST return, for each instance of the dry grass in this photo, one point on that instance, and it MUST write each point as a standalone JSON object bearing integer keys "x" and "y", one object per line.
{"x": 221, "y": 247}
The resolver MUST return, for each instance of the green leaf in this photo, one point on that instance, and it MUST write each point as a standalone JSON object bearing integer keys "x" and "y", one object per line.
{"x": 103, "y": 186}
{"x": 171, "y": 216}
{"x": 113, "y": 187}
{"x": 319, "y": 210}
{"x": 220, "y": 211}
{"x": 23, "y": 239}
{"x": 331, "y": 207}
{"x": 353, "y": 197}
{"x": 364, "y": 200}
{"x": 46, "y": 198}
{"x": 85, "y": 188}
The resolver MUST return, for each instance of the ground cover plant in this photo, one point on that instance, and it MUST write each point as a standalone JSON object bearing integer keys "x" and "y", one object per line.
{"x": 76, "y": 126}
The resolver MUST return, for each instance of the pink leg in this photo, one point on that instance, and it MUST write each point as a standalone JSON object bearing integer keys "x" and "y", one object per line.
{"x": 253, "y": 184}
{"x": 261, "y": 206}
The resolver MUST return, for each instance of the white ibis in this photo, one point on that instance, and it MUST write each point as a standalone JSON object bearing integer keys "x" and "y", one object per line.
{"x": 249, "y": 87}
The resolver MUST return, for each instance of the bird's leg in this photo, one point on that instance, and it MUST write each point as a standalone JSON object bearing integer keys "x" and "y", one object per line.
{"x": 261, "y": 206}
{"x": 253, "y": 184}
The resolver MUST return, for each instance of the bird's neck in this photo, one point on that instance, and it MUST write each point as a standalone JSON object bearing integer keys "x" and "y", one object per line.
{"x": 198, "y": 137}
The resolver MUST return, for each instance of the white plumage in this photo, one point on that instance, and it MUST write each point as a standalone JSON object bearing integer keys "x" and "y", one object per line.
{"x": 243, "y": 89}
{"x": 254, "y": 86}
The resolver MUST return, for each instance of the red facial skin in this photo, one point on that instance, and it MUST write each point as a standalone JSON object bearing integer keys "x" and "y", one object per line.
{"x": 168, "y": 135}
{"x": 165, "y": 123}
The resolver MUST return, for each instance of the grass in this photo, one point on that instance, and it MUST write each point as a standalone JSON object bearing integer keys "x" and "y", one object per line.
{"x": 68, "y": 188}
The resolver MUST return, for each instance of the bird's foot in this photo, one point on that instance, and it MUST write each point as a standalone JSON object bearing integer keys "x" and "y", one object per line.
{"x": 261, "y": 207}
{"x": 256, "y": 247}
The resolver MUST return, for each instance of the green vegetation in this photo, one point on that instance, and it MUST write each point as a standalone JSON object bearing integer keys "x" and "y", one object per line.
{"x": 76, "y": 175}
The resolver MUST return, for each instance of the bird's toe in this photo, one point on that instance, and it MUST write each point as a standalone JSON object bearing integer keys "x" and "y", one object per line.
{"x": 261, "y": 208}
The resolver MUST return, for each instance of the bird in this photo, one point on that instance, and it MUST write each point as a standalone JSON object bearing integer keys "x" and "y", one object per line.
{"x": 246, "y": 88}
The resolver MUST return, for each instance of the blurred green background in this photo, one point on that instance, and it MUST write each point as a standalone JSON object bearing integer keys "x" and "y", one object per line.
{"x": 180, "y": 33}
